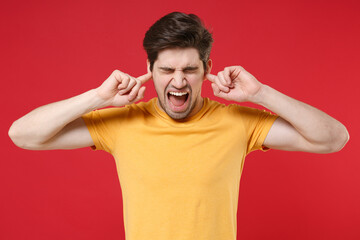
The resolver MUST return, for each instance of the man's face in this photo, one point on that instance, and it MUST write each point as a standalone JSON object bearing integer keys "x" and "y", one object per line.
{"x": 178, "y": 75}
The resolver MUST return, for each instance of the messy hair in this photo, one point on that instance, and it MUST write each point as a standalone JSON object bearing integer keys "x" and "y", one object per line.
{"x": 178, "y": 30}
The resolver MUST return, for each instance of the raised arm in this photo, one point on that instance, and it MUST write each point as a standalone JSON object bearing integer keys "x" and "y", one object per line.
{"x": 59, "y": 125}
{"x": 300, "y": 126}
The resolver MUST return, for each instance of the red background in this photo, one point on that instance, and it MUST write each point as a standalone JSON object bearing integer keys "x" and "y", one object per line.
{"x": 52, "y": 50}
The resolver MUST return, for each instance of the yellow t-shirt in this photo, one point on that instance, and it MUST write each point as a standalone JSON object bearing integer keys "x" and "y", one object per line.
{"x": 179, "y": 180}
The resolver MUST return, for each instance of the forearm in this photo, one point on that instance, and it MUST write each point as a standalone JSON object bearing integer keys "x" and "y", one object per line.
{"x": 314, "y": 125}
{"x": 46, "y": 121}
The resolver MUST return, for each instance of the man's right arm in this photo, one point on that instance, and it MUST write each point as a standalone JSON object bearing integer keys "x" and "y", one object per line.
{"x": 59, "y": 125}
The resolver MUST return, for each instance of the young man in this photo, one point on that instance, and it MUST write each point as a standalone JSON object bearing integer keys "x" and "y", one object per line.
{"x": 179, "y": 156}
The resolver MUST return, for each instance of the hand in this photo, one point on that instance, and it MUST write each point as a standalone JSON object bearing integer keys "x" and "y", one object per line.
{"x": 235, "y": 84}
{"x": 121, "y": 89}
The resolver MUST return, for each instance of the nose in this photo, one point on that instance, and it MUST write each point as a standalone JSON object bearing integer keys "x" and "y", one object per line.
{"x": 179, "y": 80}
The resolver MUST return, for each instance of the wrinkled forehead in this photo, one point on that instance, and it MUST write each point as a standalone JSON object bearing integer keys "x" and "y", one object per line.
{"x": 178, "y": 58}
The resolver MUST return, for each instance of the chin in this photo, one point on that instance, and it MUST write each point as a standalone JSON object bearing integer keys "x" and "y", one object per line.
{"x": 177, "y": 115}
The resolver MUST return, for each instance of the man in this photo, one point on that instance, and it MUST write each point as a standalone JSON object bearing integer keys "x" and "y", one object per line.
{"x": 179, "y": 156}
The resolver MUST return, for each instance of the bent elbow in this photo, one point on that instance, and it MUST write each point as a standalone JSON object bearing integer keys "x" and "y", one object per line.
{"x": 12, "y": 133}
{"x": 334, "y": 143}
{"x": 340, "y": 140}
{"x": 345, "y": 139}
{"x": 16, "y": 137}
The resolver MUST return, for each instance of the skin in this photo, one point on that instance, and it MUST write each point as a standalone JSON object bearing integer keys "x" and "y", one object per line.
{"x": 179, "y": 70}
{"x": 300, "y": 127}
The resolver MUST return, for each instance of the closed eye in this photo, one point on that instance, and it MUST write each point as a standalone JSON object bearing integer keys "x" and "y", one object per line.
{"x": 190, "y": 69}
{"x": 187, "y": 70}
{"x": 167, "y": 70}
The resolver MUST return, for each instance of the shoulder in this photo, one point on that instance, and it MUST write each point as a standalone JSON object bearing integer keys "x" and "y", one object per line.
{"x": 231, "y": 108}
{"x": 237, "y": 111}
{"x": 246, "y": 111}
{"x": 142, "y": 106}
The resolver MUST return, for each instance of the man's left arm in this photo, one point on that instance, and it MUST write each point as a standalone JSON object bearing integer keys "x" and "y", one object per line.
{"x": 300, "y": 127}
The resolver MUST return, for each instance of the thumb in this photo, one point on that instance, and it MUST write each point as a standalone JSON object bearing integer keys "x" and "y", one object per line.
{"x": 218, "y": 92}
{"x": 210, "y": 77}
{"x": 144, "y": 78}
{"x": 140, "y": 94}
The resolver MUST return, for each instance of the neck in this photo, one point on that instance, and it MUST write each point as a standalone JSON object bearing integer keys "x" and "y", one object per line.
{"x": 197, "y": 107}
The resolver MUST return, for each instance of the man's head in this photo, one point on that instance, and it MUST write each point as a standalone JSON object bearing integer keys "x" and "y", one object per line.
{"x": 177, "y": 30}
{"x": 178, "y": 48}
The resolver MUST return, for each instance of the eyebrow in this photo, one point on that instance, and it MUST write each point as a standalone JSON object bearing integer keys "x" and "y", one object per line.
{"x": 188, "y": 68}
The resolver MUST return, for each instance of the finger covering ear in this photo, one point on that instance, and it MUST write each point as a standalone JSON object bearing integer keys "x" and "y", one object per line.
{"x": 144, "y": 78}
{"x": 210, "y": 77}
{"x": 215, "y": 88}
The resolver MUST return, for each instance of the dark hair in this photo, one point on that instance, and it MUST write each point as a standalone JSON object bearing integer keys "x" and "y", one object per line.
{"x": 175, "y": 30}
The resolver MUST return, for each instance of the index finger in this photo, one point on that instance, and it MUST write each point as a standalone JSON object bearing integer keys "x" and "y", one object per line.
{"x": 210, "y": 77}
{"x": 144, "y": 78}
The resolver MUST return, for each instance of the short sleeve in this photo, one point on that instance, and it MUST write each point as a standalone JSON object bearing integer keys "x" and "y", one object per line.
{"x": 101, "y": 125}
{"x": 257, "y": 124}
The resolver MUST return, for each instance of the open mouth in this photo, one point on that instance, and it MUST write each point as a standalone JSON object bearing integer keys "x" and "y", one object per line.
{"x": 178, "y": 100}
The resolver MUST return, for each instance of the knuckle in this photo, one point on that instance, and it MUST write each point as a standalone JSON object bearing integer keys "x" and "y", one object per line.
{"x": 116, "y": 74}
{"x": 131, "y": 85}
{"x": 133, "y": 81}
{"x": 124, "y": 82}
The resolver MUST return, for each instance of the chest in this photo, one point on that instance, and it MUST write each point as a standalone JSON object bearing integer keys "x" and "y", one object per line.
{"x": 184, "y": 158}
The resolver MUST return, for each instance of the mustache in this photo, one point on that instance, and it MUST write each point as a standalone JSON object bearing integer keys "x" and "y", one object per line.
{"x": 171, "y": 87}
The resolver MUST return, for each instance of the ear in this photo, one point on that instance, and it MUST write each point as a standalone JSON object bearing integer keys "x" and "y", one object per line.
{"x": 148, "y": 65}
{"x": 209, "y": 66}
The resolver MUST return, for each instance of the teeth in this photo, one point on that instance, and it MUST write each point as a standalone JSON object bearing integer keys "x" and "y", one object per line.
{"x": 178, "y": 93}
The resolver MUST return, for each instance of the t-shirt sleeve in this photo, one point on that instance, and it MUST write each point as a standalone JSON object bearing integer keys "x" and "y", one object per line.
{"x": 257, "y": 124}
{"x": 102, "y": 127}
